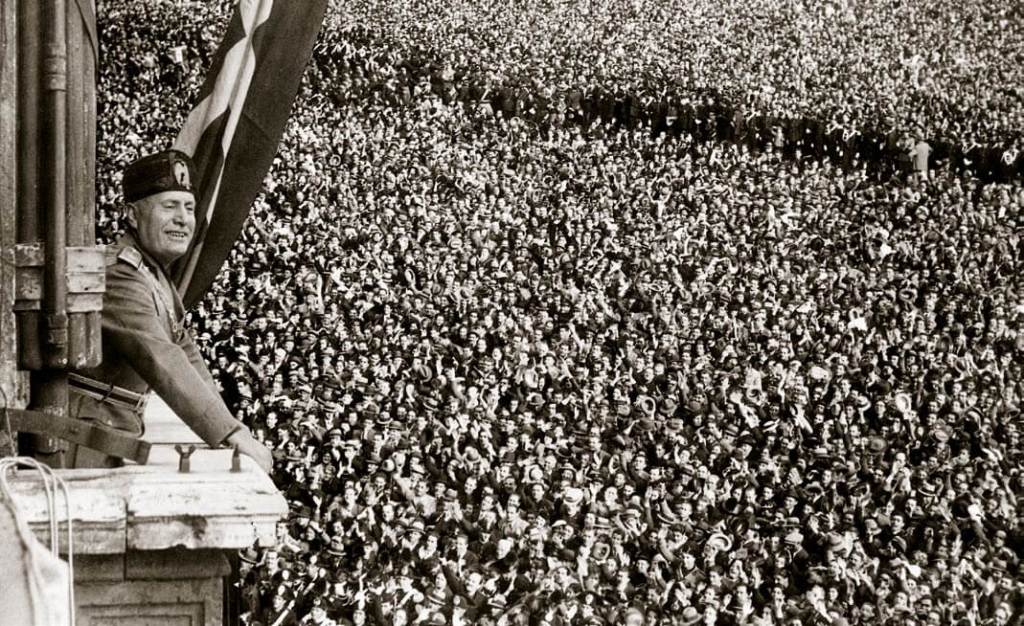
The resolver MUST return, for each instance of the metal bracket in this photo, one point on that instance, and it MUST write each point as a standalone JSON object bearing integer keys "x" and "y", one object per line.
{"x": 86, "y": 277}
{"x": 67, "y": 336}
{"x": 184, "y": 463}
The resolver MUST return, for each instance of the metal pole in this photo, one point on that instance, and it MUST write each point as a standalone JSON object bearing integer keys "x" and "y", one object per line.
{"x": 29, "y": 204}
{"x": 55, "y": 68}
{"x": 50, "y": 393}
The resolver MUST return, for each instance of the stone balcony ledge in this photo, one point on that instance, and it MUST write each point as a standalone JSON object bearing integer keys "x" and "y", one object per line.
{"x": 154, "y": 507}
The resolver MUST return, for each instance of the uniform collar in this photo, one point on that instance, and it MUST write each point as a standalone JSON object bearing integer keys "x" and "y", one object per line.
{"x": 129, "y": 240}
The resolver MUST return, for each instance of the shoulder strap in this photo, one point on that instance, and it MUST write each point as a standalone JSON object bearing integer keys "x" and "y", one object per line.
{"x": 131, "y": 256}
{"x": 171, "y": 301}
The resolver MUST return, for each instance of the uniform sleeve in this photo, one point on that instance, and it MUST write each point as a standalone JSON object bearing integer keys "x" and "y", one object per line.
{"x": 133, "y": 329}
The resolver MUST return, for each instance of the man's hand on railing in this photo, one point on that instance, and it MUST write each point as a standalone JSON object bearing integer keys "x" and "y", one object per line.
{"x": 247, "y": 445}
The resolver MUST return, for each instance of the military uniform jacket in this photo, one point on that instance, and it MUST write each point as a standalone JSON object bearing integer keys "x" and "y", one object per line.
{"x": 145, "y": 346}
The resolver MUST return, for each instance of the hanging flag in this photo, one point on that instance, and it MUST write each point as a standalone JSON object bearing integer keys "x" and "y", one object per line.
{"x": 233, "y": 132}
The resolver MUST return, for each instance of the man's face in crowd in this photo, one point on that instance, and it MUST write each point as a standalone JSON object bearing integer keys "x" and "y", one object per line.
{"x": 884, "y": 587}
{"x": 487, "y": 503}
{"x": 689, "y": 560}
{"x": 504, "y": 547}
{"x": 473, "y": 582}
{"x": 537, "y": 491}
{"x": 164, "y": 223}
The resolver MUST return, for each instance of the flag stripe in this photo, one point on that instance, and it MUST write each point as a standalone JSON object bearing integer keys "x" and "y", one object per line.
{"x": 209, "y": 152}
{"x": 241, "y": 63}
{"x": 216, "y": 94}
{"x": 234, "y": 130}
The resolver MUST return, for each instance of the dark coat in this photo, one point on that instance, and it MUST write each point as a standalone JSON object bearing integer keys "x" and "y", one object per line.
{"x": 145, "y": 345}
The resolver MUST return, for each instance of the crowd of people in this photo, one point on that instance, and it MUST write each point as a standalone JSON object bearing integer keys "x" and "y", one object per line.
{"x": 859, "y": 81}
{"x": 523, "y": 371}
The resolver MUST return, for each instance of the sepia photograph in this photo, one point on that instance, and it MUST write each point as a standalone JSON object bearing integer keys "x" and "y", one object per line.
{"x": 511, "y": 312}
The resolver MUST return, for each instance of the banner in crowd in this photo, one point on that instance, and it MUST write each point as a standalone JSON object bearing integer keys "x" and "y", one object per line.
{"x": 234, "y": 131}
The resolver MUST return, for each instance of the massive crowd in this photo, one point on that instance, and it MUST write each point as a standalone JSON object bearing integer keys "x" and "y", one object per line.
{"x": 864, "y": 80}
{"x": 558, "y": 371}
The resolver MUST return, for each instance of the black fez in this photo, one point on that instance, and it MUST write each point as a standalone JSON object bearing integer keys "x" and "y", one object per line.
{"x": 170, "y": 170}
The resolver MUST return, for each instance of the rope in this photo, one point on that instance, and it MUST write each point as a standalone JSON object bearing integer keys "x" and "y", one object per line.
{"x": 51, "y": 484}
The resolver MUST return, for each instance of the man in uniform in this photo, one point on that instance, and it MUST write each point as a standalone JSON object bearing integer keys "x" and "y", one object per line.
{"x": 145, "y": 345}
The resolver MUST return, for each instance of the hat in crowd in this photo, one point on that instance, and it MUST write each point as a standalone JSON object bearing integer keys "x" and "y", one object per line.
{"x": 876, "y": 445}
{"x": 662, "y": 519}
{"x": 819, "y": 373}
{"x": 632, "y": 512}
{"x": 690, "y": 616}
{"x": 720, "y": 541}
{"x": 632, "y": 612}
{"x": 695, "y": 408}
{"x": 249, "y": 556}
{"x": 602, "y": 523}
{"x": 534, "y": 474}
{"x": 928, "y": 489}
{"x": 170, "y": 170}
{"x": 573, "y": 496}
{"x": 430, "y": 403}
{"x": 417, "y": 525}
{"x": 437, "y": 597}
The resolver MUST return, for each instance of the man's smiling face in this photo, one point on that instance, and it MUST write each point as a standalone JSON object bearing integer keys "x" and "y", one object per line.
{"x": 165, "y": 223}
